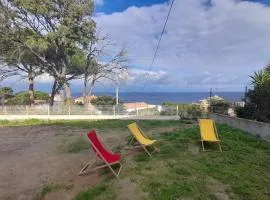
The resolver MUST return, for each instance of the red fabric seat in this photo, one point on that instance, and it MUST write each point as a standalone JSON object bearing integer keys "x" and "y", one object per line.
{"x": 100, "y": 149}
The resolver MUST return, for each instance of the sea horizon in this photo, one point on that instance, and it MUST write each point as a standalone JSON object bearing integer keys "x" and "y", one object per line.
{"x": 173, "y": 97}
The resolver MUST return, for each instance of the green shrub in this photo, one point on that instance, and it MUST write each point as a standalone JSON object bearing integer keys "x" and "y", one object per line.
{"x": 21, "y": 98}
{"x": 39, "y": 95}
{"x": 220, "y": 107}
{"x": 6, "y": 92}
{"x": 104, "y": 101}
{"x": 168, "y": 110}
{"x": 258, "y": 98}
{"x": 247, "y": 112}
{"x": 185, "y": 111}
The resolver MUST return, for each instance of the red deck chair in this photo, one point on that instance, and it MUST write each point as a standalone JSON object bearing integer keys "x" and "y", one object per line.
{"x": 108, "y": 157}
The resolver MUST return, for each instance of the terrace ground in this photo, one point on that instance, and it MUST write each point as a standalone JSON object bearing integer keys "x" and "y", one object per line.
{"x": 41, "y": 160}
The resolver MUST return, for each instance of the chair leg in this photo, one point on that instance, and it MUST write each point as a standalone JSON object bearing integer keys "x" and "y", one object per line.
{"x": 155, "y": 149}
{"x": 130, "y": 142}
{"x": 146, "y": 150}
{"x": 202, "y": 146}
{"x": 86, "y": 166}
{"x": 219, "y": 147}
{"x": 114, "y": 173}
{"x": 98, "y": 167}
{"x": 121, "y": 166}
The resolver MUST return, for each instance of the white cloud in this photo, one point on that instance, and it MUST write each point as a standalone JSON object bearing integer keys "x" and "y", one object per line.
{"x": 44, "y": 78}
{"x": 99, "y": 2}
{"x": 154, "y": 77}
{"x": 229, "y": 40}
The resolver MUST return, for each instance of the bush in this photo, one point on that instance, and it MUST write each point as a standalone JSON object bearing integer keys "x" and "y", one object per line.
{"x": 168, "y": 104}
{"x": 6, "y": 91}
{"x": 185, "y": 111}
{"x": 190, "y": 114}
{"x": 258, "y": 106}
{"x": 23, "y": 98}
{"x": 104, "y": 101}
{"x": 247, "y": 112}
{"x": 220, "y": 107}
{"x": 39, "y": 95}
{"x": 168, "y": 110}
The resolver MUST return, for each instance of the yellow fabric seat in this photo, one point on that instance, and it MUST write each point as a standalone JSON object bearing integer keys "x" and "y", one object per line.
{"x": 137, "y": 133}
{"x": 208, "y": 132}
{"x": 140, "y": 137}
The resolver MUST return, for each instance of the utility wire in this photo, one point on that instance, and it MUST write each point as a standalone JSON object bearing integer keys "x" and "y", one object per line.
{"x": 158, "y": 44}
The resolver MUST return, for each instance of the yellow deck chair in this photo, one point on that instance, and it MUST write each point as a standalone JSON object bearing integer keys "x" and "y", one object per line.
{"x": 208, "y": 132}
{"x": 138, "y": 134}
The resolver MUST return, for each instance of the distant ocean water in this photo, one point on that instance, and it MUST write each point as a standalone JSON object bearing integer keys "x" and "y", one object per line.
{"x": 174, "y": 97}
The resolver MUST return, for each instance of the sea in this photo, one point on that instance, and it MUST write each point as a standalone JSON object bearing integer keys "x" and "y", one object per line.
{"x": 158, "y": 98}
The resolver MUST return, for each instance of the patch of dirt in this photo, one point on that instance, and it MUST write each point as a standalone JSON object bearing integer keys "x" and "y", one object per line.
{"x": 30, "y": 159}
{"x": 61, "y": 194}
{"x": 78, "y": 184}
{"x": 218, "y": 189}
{"x": 127, "y": 190}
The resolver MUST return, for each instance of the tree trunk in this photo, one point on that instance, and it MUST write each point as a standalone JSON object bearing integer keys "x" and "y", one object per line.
{"x": 68, "y": 94}
{"x": 31, "y": 89}
{"x": 92, "y": 84}
{"x": 84, "y": 90}
{"x": 53, "y": 92}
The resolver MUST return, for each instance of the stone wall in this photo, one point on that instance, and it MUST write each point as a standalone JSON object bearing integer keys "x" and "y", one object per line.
{"x": 253, "y": 127}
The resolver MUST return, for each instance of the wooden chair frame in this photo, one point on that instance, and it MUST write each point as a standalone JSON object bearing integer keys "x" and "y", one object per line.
{"x": 109, "y": 165}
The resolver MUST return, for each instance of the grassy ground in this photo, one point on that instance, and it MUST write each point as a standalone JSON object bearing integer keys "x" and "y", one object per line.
{"x": 180, "y": 170}
{"x": 86, "y": 124}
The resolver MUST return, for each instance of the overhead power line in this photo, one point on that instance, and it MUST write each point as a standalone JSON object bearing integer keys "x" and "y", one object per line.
{"x": 158, "y": 44}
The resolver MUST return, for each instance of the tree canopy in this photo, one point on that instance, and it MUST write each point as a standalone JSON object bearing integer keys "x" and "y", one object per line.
{"x": 104, "y": 101}
{"x": 258, "y": 98}
{"x": 58, "y": 38}
{"x": 52, "y": 31}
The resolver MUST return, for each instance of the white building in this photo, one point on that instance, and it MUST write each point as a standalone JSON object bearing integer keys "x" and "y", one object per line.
{"x": 130, "y": 107}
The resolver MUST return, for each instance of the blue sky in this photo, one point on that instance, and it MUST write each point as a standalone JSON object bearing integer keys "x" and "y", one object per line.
{"x": 111, "y": 6}
{"x": 216, "y": 46}
{"x": 266, "y": 2}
